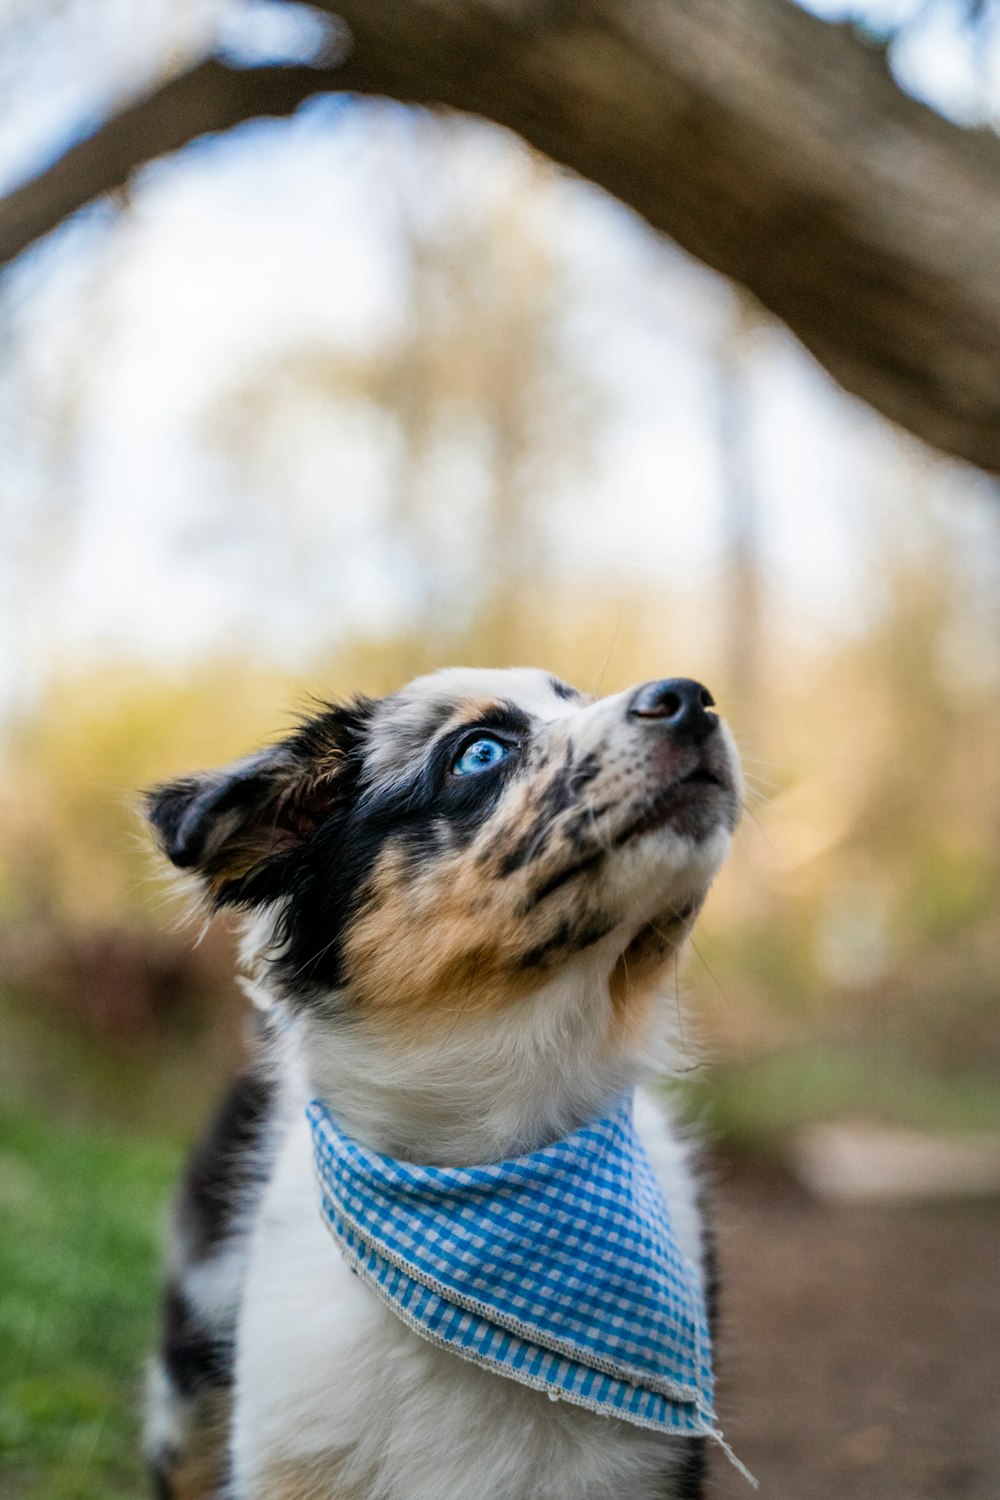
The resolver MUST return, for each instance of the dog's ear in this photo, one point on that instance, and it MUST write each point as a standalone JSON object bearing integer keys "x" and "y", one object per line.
{"x": 237, "y": 829}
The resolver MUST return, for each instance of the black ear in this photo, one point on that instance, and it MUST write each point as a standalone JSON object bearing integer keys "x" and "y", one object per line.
{"x": 237, "y": 829}
{"x": 194, "y": 818}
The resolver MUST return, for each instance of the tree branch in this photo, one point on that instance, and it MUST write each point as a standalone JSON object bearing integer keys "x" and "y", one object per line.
{"x": 770, "y": 144}
{"x": 211, "y": 96}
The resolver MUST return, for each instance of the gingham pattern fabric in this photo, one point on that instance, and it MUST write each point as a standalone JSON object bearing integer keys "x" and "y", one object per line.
{"x": 558, "y": 1269}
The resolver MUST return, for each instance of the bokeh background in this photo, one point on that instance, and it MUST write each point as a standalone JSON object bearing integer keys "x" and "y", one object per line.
{"x": 324, "y": 402}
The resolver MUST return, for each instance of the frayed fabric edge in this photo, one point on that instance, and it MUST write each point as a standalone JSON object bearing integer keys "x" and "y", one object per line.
{"x": 705, "y": 1428}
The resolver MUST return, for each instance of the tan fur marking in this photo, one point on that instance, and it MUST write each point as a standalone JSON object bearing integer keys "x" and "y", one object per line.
{"x": 472, "y": 712}
{"x": 315, "y": 1480}
{"x": 431, "y": 942}
{"x": 640, "y": 974}
{"x": 200, "y": 1473}
{"x": 450, "y": 937}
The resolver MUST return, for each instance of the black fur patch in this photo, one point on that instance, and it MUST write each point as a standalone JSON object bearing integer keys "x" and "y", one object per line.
{"x": 225, "y": 1166}
{"x": 692, "y": 805}
{"x": 159, "y": 1474}
{"x": 710, "y": 1265}
{"x": 185, "y": 813}
{"x": 195, "y": 1359}
{"x": 569, "y": 937}
{"x": 568, "y": 872}
{"x": 689, "y": 1481}
{"x": 563, "y": 690}
{"x": 557, "y": 797}
{"x": 422, "y": 812}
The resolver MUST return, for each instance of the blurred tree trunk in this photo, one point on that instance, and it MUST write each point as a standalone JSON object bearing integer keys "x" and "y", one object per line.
{"x": 770, "y": 144}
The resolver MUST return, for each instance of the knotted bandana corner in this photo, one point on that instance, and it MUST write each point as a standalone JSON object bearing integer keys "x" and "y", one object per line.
{"x": 559, "y": 1269}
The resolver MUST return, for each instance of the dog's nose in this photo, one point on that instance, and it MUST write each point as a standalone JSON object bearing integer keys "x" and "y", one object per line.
{"x": 684, "y": 706}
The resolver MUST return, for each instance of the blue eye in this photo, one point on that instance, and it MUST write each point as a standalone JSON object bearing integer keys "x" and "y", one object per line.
{"x": 482, "y": 755}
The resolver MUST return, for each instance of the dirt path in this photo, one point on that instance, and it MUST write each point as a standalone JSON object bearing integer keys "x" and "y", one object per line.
{"x": 861, "y": 1347}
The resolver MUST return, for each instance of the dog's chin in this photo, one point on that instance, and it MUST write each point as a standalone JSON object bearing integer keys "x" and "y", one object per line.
{"x": 663, "y": 876}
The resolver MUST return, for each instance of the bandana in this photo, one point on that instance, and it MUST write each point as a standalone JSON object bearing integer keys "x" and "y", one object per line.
{"x": 559, "y": 1269}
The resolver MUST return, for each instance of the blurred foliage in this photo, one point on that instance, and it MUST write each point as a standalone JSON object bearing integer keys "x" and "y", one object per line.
{"x": 865, "y": 913}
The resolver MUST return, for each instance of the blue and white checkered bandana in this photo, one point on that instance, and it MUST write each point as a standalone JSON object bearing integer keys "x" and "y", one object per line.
{"x": 559, "y": 1269}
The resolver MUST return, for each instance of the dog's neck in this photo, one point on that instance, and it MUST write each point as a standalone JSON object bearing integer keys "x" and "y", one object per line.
{"x": 482, "y": 1090}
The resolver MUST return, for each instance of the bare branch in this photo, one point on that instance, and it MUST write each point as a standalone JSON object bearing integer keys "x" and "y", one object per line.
{"x": 770, "y": 144}
{"x": 212, "y": 96}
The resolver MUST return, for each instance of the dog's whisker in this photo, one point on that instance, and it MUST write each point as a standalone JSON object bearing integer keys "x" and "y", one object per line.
{"x": 611, "y": 651}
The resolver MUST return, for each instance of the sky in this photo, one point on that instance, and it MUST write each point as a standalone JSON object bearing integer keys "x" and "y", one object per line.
{"x": 282, "y": 232}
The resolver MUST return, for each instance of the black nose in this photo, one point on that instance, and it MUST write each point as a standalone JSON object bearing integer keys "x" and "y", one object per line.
{"x": 683, "y": 705}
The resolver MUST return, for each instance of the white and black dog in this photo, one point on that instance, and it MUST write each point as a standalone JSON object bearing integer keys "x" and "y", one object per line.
{"x": 462, "y": 903}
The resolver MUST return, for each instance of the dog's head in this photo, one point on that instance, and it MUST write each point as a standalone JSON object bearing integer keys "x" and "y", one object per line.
{"x": 442, "y": 855}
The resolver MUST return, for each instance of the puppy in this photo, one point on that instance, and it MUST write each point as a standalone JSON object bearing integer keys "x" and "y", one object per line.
{"x": 462, "y": 904}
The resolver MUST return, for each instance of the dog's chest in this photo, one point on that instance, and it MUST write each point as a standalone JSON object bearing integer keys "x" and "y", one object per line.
{"x": 336, "y": 1399}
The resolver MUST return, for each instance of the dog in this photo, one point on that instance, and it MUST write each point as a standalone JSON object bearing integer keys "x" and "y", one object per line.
{"x": 463, "y": 903}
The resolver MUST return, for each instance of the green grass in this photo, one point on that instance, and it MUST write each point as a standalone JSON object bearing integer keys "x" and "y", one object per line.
{"x": 79, "y": 1246}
